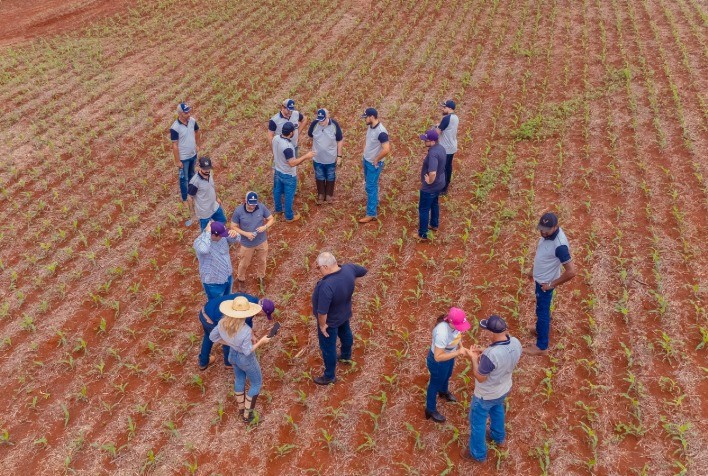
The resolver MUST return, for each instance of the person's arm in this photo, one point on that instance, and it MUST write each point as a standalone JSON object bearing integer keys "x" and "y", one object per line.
{"x": 569, "y": 272}
{"x": 260, "y": 342}
{"x": 324, "y": 299}
{"x": 197, "y": 137}
{"x": 294, "y": 162}
{"x": 174, "y": 136}
{"x": 215, "y": 336}
{"x": 272, "y": 127}
{"x": 441, "y": 356}
{"x": 202, "y": 245}
{"x": 322, "y": 323}
{"x": 311, "y": 129}
{"x": 444, "y": 123}
{"x": 359, "y": 271}
{"x": 385, "y": 148}
{"x": 235, "y": 230}
{"x": 339, "y": 137}
{"x": 481, "y": 366}
{"x": 269, "y": 222}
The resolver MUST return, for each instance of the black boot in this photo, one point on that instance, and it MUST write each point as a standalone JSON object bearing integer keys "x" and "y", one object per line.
{"x": 320, "y": 191}
{"x": 248, "y": 415}
{"x": 447, "y": 396}
{"x": 436, "y": 416}
{"x": 329, "y": 190}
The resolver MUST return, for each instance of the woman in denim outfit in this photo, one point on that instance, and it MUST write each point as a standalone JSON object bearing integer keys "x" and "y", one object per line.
{"x": 234, "y": 331}
{"x": 446, "y": 345}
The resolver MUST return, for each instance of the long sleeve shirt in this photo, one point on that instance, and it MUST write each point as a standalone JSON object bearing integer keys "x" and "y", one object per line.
{"x": 214, "y": 258}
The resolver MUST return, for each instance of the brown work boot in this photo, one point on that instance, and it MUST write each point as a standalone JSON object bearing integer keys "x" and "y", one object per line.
{"x": 534, "y": 351}
{"x": 366, "y": 219}
{"x": 295, "y": 218}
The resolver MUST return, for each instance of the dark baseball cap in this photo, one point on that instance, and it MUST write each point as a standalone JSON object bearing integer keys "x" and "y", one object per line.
{"x": 493, "y": 324}
{"x": 183, "y": 107}
{"x": 449, "y": 103}
{"x": 547, "y": 222}
{"x": 268, "y": 307}
{"x": 205, "y": 163}
{"x": 370, "y": 111}
{"x": 289, "y": 104}
{"x": 321, "y": 114}
{"x": 252, "y": 198}
{"x": 430, "y": 134}
{"x": 218, "y": 229}
{"x": 288, "y": 128}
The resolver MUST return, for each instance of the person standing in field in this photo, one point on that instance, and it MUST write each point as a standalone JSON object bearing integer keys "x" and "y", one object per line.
{"x": 552, "y": 254}
{"x": 492, "y": 370}
{"x": 250, "y": 221}
{"x": 287, "y": 113}
{"x": 233, "y": 331}
{"x": 432, "y": 181}
{"x": 285, "y": 171}
{"x": 332, "y": 307}
{"x": 327, "y": 142}
{"x": 446, "y": 346}
{"x": 202, "y": 195}
{"x": 448, "y": 138}
{"x": 186, "y": 139}
{"x": 376, "y": 148}
{"x": 215, "y": 269}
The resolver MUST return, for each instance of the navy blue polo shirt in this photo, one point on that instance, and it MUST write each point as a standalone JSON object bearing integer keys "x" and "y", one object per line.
{"x": 211, "y": 308}
{"x": 333, "y": 294}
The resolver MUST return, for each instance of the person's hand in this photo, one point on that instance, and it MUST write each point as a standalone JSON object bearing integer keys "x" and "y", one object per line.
{"x": 461, "y": 349}
{"x": 218, "y": 200}
{"x": 427, "y": 178}
{"x": 473, "y": 354}
{"x": 261, "y": 229}
{"x": 529, "y": 275}
{"x": 180, "y": 165}
{"x": 251, "y": 235}
{"x": 339, "y": 161}
{"x": 546, "y": 287}
{"x": 208, "y": 228}
{"x": 265, "y": 338}
{"x": 323, "y": 329}
{"x": 233, "y": 233}
{"x": 253, "y": 340}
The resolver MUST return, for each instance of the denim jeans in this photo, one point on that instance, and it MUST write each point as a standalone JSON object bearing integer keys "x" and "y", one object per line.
{"x": 371, "y": 178}
{"x": 217, "y": 290}
{"x": 440, "y": 373}
{"x": 543, "y": 316}
{"x": 284, "y": 185}
{"x": 217, "y": 216}
{"x": 325, "y": 171}
{"x": 185, "y": 175}
{"x": 207, "y": 344}
{"x": 448, "y": 171}
{"x": 428, "y": 212}
{"x": 480, "y": 410}
{"x": 246, "y": 367}
{"x": 328, "y": 346}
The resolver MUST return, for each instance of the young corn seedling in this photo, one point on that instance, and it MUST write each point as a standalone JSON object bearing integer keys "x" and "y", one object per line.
{"x": 290, "y": 421}
{"x": 368, "y": 444}
{"x": 198, "y": 382}
{"x": 328, "y": 439}
{"x": 417, "y": 442}
{"x": 284, "y": 449}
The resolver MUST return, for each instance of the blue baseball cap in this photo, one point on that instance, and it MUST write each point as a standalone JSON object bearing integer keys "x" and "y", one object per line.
{"x": 321, "y": 114}
{"x": 252, "y": 198}
{"x": 370, "y": 111}
{"x": 289, "y": 104}
{"x": 449, "y": 103}
{"x": 547, "y": 222}
{"x": 494, "y": 324}
{"x": 183, "y": 107}
{"x": 288, "y": 128}
{"x": 430, "y": 134}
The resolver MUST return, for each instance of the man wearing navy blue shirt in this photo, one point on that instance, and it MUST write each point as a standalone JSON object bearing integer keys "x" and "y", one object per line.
{"x": 332, "y": 307}
{"x": 552, "y": 254}
{"x": 432, "y": 181}
{"x": 185, "y": 137}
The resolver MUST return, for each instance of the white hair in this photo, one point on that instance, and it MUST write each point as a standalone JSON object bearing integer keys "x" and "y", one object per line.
{"x": 326, "y": 259}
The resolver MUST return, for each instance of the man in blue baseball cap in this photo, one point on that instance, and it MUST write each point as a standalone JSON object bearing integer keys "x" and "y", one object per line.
{"x": 376, "y": 148}
{"x": 285, "y": 163}
{"x": 432, "y": 181}
{"x": 185, "y": 137}
{"x": 448, "y": 138}
{"x": 287, "y": 113}
{"x": 327, "y": 142}
{"x": 250, "y": 221}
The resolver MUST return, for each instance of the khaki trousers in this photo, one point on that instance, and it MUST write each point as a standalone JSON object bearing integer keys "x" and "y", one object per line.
{"x": 259, "y": 254}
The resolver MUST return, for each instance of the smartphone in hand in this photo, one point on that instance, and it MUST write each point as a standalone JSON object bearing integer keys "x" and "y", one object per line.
{"x": 274, "y": 330}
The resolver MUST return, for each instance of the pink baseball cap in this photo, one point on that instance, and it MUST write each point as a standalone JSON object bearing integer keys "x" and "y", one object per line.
{"x": 458, "y": 319}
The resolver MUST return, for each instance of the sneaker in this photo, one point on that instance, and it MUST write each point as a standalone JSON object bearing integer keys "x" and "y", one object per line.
{"x": 447, "y": 396}
{"x": 212, "y": 359}
{"x": 295, "y": 218}
{"x": 434, "y": 228}
{"x": 435, "y": 415}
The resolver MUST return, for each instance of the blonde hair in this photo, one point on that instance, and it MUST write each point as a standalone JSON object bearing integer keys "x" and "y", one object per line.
{"x": 232, "y": 325}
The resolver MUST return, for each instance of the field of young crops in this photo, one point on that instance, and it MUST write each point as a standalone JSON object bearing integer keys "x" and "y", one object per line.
{"x": 593, "y": 108}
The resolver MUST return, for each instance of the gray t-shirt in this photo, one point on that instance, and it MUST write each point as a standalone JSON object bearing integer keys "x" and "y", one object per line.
{"x": 186, "y": 142}
{"x": 550, "y": 255}
{"x": 375, "y": 137}
{"x": 283, "y": 150}
{"x": 279, "y": 120}
{"x": 497, "y": 362}
{"x": 249, "y": 221}
{"x": 445, "y": 337}
{"x": 448, "y": 137}
{"x": 324, "y": 141}
{"x": 434, "y": 162}
{"x": 203, "y": 192}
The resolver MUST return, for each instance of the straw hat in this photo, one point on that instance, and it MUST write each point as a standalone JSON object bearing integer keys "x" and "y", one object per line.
{"x": 239, "y": 308}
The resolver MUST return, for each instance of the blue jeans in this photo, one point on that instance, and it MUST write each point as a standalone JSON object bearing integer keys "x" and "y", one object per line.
{"x": 185, "y": 175}
{"x": 371, "y": 177}
{"x": 246, "y": 367}
{"x": 284, "y": 185}
{"x": 543, "y": 316}
{"x": 440, "y": 373}
{"x": 328, "y": 346}
{"x": 207, "y": 344}
{"x": 217, "y": 216}
{"x": 428, "y": 212}
{"x": 448, "y": 171}
{"x": 480, "y": 410}
{"x": 325, "y": 171}
{"x": 217, "y": 290}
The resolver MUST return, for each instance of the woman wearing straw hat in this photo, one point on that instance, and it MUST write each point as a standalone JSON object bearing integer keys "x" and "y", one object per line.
{"x": 234, "y": 331}
{"x": 447, "y": 336}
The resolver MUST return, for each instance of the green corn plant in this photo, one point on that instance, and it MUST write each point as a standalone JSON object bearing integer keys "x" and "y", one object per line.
{"x": 418, "y": 443}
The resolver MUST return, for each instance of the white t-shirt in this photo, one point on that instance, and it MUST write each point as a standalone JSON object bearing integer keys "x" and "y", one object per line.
{"x": 445, "y": 337}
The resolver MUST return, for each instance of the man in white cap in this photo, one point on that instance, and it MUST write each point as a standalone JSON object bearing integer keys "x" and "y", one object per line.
{"x": 250, "y": 221}
{"x": 186, "y": 139}
{"x": 327, "y": 142}
{"x": 492, "y": 370}
{"x": 287, "y": 113}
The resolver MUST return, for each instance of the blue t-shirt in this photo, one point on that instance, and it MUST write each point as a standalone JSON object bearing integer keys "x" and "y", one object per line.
{"x": 433, "y": 162}
{"x": 333, "y": 294}
{"x": 249, "y": 221}
{"x": 211, "y": 308}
